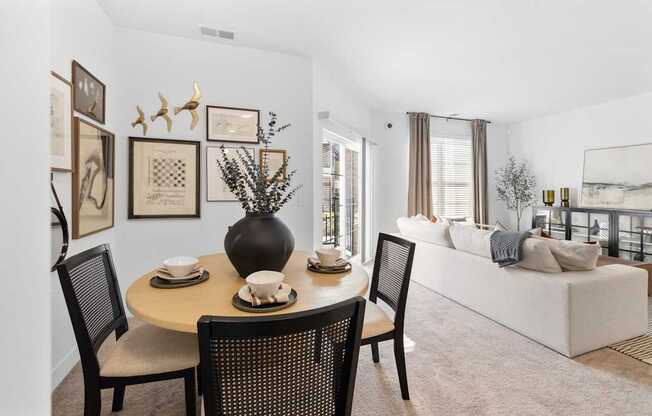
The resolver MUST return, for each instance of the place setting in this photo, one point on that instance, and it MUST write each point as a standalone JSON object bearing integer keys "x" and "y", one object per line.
{"x": 178, "y": 272}
{"x": 265, "y": 291}
{"x": 328, "y": 261}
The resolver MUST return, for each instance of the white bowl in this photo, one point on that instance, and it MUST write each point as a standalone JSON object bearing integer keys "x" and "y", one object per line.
{"x": 265, "y": 283}
{"x": 180, "y": 265}
{"x": 328, "y": 256}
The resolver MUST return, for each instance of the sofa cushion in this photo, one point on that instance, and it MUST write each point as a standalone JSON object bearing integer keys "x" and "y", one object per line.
{"x": 574, "y": 255}
{"x": 537, "y": 256}
{"x": 425, "y": 230}
{"x": 470, "y": 239}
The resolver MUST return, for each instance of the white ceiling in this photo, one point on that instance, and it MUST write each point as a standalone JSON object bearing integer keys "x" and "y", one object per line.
{"x": 503, "y": 60}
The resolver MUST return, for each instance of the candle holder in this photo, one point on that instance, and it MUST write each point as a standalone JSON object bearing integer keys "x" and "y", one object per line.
{"x": 564, "y": 195}
{"x": 548, "y": 197}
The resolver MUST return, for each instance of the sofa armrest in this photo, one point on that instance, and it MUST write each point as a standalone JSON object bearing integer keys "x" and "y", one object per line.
{"x": 606, "y": 305}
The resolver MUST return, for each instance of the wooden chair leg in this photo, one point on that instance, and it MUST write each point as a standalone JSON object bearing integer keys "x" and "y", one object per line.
{"x": 118, "y": 398}
{"x": 399, "y": 355}
{"x": 191, "y": 400}
{"x": 374, "y": 352}
{"x": 92, "y": 401}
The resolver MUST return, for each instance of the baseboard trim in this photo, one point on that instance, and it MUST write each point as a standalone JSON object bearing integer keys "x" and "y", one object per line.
{"x": 63, "y": 367}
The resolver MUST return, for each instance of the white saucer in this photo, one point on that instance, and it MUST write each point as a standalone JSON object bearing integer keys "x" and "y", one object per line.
{"x": 165, "y": 275}
{"x": 244, "y": 294}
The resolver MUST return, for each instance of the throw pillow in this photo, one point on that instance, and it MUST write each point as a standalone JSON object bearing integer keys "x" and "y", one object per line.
{"x": 431, "y": 232}
{"x": 538, "y": 256}
{"x": 574, "y": 255}
{"x": 469, "y": 239}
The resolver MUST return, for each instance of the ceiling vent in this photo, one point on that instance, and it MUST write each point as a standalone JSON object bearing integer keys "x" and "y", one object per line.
{"x": 214, "y": 33}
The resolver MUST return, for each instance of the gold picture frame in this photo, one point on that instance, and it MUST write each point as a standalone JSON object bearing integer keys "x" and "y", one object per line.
{"x": 274, "y": 159}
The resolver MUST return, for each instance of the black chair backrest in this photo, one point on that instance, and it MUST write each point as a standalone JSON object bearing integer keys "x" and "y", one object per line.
{"x": 391, "y": 276}
{"x": 91, "y": 291}
{"x": 295, "y": 364}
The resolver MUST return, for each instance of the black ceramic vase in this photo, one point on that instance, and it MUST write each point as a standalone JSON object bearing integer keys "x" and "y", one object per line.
{"x": 258, "y": 242}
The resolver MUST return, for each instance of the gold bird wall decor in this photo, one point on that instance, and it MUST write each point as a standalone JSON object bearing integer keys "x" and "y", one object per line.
{"x": 140, "y": 120}
{"x": 191, "y": 106}
{"x": 163, "y": 112}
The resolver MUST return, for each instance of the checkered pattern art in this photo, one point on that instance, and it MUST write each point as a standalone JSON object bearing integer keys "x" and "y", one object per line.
{"x": 168, "y": 172}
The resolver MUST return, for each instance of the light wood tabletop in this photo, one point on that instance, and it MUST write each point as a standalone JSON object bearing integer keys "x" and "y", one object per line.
{"x": 179, "y": 309}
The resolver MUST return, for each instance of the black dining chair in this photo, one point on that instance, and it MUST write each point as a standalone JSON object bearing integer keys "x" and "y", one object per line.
{"x": 141, "y": 355}
{"x": 390, "y": 282}
{"x": 279, "y": 365}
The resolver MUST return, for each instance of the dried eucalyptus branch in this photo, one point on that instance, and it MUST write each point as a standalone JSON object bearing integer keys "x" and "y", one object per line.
{"x": 258, "y": 192}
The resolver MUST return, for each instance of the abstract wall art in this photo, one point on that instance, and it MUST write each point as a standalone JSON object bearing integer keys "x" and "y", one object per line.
{"x": 89, "y": 93}
{"x": 230, "y": 124}
{"x": 60, "y": 123}
{"x": 216, "y": 189}
{"x": 618, "y": 177}
{"x": 92, "y": 179}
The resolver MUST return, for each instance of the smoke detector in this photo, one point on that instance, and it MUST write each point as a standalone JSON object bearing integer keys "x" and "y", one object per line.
{"x": 211, "y": 32}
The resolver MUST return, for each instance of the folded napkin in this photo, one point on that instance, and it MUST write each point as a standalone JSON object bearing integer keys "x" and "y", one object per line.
{"x": 278, "y": 298}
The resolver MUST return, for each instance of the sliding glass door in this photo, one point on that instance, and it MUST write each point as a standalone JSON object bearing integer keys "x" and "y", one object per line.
{"x": 344, "y": 206}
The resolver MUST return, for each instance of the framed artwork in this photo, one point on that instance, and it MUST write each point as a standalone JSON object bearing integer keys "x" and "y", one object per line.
{"x": 92, "y": 179}
{"x": 229, "y": 124}
{"x": 618, "y": 177}
{"x": 216, "y": 189}
{"x": 88, "y": 93}
{"x": 60, "y": 123}
{"x": 163, "y": 178}
{"x": 273, "y": 158}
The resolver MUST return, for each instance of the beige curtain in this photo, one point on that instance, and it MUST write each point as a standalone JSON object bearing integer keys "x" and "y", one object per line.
{"x": 419, "y": 185}
{"x": 479, "y": 132}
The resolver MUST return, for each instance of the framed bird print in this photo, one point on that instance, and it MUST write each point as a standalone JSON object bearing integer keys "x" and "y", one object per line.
{"x": 89, "y": 93}
{"x": 273, "y": 159}
{"x": 230, "y": 124}
{"x": 216, "y": 189}
{"x": 163, "y": 178}
{"x": 92, "y": 179}
{"x": 60, "y": 123}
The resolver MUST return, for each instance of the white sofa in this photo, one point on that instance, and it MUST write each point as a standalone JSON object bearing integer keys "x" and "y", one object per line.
{"x": 571, "y": 312}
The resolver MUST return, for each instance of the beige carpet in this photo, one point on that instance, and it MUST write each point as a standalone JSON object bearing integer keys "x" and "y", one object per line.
{"x": 463, "y": 364}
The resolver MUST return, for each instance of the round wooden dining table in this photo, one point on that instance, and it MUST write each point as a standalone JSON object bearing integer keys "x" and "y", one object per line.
{"x": 179, "y": 309}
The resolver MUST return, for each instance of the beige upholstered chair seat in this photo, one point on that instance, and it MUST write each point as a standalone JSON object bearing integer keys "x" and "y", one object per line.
{"x": 376, "y": 321}
{"x": 147, "y": 349}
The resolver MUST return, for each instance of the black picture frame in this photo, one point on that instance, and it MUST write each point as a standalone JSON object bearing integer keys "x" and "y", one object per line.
{"x": 251, "y": 111}
{"x": 77, "y": 104}
{"x": 196, "y": 145}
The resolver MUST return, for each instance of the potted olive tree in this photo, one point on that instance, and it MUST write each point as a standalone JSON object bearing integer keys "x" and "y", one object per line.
{"x": 515, "y": 186}
{"x": 260, "y": 240}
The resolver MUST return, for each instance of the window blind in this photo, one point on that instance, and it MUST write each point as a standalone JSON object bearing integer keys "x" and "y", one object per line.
{"x": 452, "y": 176}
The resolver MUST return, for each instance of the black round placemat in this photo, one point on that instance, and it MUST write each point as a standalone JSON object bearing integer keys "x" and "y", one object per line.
{"x": 346, "y": 268}
{"x": 159, "y": 283}
{"x": 245, "y": 306}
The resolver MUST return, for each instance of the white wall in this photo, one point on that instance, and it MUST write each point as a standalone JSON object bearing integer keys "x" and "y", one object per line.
{"x": 24, "y": 248}
{"x": 554, "y": 145}
{"x": 71, "y": 23}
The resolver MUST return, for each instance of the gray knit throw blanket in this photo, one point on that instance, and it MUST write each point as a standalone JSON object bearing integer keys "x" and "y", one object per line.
{"x": 507, "y": 247}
